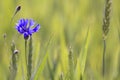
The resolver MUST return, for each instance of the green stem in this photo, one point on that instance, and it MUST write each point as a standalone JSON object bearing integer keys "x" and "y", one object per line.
{"x": 13, "y": 64}
{"x": 26, "y": 53}
{"x": 29, "y": 66}
{"x": 104, "y": 51}
{"x": 71, "y": 64}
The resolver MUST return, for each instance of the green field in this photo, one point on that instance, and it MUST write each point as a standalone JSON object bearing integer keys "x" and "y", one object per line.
{"x": 69, "y": 44}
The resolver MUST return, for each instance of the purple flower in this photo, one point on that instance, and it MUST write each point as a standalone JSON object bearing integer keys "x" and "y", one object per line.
{"x": 25, "y": 27}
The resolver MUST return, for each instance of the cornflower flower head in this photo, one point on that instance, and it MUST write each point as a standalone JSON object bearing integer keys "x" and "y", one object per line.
{"x": 25, "y": 27}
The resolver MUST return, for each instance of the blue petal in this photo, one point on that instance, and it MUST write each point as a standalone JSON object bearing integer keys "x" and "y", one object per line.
{"x": 35, "y": 29}
{"x": 29, "y": 32}
{"x": 21, "y": 21}
{"x": 20, "y": 30}
{"x": 26, "y": 23}
{"x": 31, "y": 23}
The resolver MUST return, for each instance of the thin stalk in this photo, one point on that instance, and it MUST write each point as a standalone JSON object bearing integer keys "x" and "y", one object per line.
{"x": 81, "y": 77}
{"x": 13, "y": 64}
{"x": 71, "y": 64}
{"x": 26, "y": 51}
{"x": 29, "y": 66}
{"x": 104, "y": 53}
{"x": 18, "y": 8}
{"x": 106, "y": 26}
{"x": 61, "y": 76}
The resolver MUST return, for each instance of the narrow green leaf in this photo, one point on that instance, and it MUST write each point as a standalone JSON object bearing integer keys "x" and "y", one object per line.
{"x": 41, "y": 67}
{"x": 83, "y": 54}
{"x": 41, "y": 64}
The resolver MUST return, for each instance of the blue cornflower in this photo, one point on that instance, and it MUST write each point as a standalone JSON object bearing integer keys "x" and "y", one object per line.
{"x": 24, "y": 26}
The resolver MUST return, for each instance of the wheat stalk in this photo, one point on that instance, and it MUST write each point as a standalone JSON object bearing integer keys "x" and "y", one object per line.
{"x": 13, "y": 64}
{"x": 106, "y": 25}
{"x": 71, "y": 64}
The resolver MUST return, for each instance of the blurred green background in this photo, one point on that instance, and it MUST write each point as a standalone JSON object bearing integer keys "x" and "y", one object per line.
{"x": 67, "y": 21}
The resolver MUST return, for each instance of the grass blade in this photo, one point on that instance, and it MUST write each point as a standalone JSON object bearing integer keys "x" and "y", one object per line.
{"x": 41, "y": 65}
{"x": 83, "y": 55}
